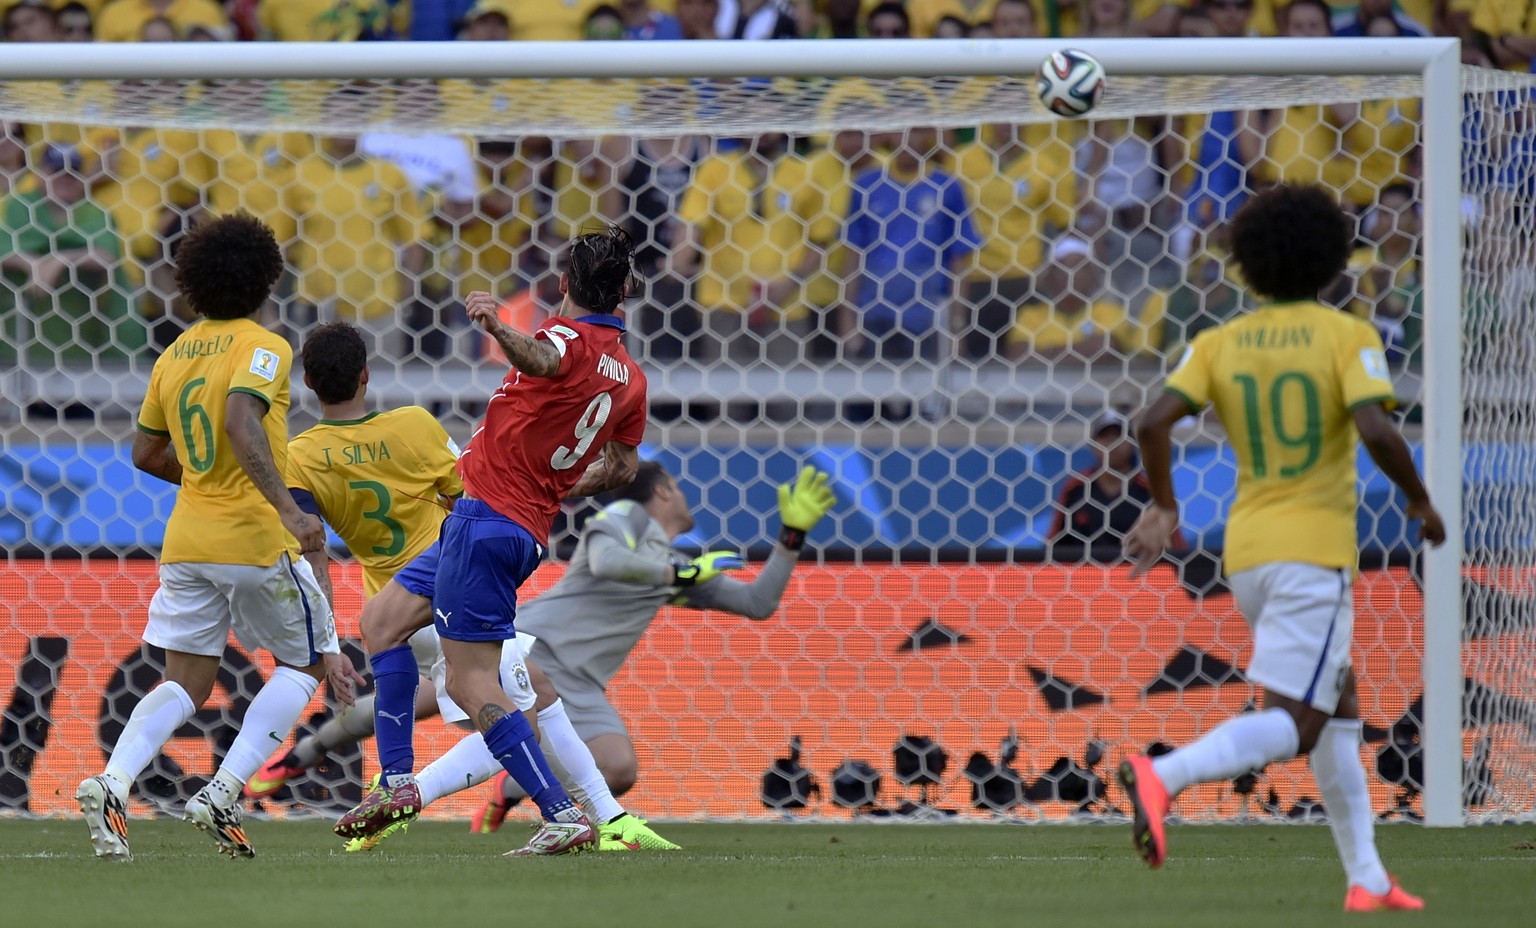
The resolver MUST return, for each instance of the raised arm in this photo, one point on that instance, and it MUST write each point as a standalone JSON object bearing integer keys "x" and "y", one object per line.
{"x": 615, "y": 468}
{"x": 802, "y": 504}
{"x": 1387, "y": 448}
{"x": 534, "y": 357}
{"x": 242, "y": 426}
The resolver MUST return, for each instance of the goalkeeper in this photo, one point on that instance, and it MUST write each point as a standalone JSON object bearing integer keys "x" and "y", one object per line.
{"x": 624, "y": 570}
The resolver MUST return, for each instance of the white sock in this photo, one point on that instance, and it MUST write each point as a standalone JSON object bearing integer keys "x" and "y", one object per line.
{"x": 1231, "y": 749}
{"x": 268, "y": 721}
{"x": 468, "y": 763}
{"x": 1341, "y": 779}
{"x": 349, "y": 726}
{"x": 153, "y": 722}
{"x": 561, "y": 739}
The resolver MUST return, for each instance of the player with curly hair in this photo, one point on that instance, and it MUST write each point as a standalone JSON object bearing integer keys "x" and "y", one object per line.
{"x": 1297, "y": 386}
{"x": 215, "y": 422}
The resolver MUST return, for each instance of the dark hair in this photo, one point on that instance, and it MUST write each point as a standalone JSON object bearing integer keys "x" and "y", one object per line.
{"x": 1291, "y": 241}
{"x": 605, "y": 9}
{"x": 226, "y": 268}
{"x": 1402, "y": 188}
{"x": 6, "y": 24}
{"x": 1321, "y": 6}
{"x": 954, "y": 22}
{"x": 334, "y": 359}
{"x": 648, "y": 476}
{"x": 602, "y": 269}
{"x": 890, "y": 8}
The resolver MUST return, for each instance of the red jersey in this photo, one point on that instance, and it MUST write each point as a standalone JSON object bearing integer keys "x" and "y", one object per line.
{"x": 540, "y": 433}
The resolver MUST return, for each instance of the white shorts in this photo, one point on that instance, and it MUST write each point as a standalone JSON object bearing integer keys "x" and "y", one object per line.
{"x": 514, "y": 679}
{"x": 427, "y": 650}
{"x": 1303, "y": 620}
{"x": 277, "y": 609}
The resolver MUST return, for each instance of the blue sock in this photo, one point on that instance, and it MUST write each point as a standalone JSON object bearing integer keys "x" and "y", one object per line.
{"x": 395, "y": 679}
{"x": 511, "y": 741}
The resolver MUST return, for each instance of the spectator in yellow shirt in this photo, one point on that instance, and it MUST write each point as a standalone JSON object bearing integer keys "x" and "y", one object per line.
{"x": 1303, "y": 143}
{"x": 926, "y": 14}
{"x": 326, "y": 20}
{"x": 357, "y": 251}
{"x": 819, "y": 206}
{"x": 734, "y": 237}
{"x": 545, "y": 20}
{"x": 491, "y": 233}
{"x": 1018, "y": 193}
{"x": 1510, "y": 26}
{"x": 1081, "y": 323}
{"x": 123, "y": 20}
{"x": 154, "y": 196}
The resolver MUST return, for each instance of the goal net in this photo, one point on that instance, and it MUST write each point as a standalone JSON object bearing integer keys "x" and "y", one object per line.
{"x": 931, "y": 288}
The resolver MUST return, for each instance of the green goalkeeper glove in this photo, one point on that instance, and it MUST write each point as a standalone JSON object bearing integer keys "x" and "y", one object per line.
{"x": 801, "y": 506}
{"x": 704, "y": 568}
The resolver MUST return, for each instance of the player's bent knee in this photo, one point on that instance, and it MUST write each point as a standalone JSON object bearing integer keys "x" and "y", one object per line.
{"x": 543, "y": 690}
{"x": 1309, "y": 721}
{"x": 392, "y": 616}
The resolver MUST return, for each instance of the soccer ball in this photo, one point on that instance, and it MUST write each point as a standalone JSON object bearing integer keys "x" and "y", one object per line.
{"x": 1070, "y": 82}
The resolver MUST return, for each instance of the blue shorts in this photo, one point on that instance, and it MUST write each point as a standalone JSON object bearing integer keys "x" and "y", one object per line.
{"x": 420, "y": 575}
{"x": 482, "y": 558}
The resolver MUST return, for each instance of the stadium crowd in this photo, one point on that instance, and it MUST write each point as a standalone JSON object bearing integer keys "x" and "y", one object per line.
{"x": 1074, "y": 240}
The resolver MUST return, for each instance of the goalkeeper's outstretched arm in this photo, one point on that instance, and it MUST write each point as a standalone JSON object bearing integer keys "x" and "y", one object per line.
{"x": 801, "y": 505}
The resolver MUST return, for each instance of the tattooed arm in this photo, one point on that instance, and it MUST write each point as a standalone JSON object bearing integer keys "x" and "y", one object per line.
{"x": 242, "y": 426}
{"x": 156, "y": 456}
{"x": 534, "y": 357}
{"x": 616, "y": 468}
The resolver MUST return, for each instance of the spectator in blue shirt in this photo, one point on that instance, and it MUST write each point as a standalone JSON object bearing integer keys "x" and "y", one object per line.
{"x": 910, "y": 242}
{"x": 643, "y": 23}
{"x": 437, "y": 20}
{"x": 1353, "y": 24}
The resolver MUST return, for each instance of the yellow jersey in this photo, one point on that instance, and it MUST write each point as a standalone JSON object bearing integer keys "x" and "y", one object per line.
{"x": 925, "y": 14}
{"x": 220, "y": 517}
{"x": 1500, "y": 18}
{"x": 325, "y": 20}
{"x": 353, "y": 216}
{"x": 1043, "y": 327}
{"x": 123, "y": 20}
{"x": 1383, "y": 138}
{"x": 1284, "y": 379}
{"x": 252, "y": 171}
{"x": 155, "y": 169}
{"x": 1013, "y": 202}
{"x": 746, "y": 227}
{"x": 381, "y": 482}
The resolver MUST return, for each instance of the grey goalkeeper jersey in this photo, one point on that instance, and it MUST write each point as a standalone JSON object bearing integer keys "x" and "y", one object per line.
{"x": 615, "y": 585}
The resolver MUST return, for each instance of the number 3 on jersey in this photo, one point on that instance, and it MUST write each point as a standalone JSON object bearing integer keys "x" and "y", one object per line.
{"x": 587, "y": 427}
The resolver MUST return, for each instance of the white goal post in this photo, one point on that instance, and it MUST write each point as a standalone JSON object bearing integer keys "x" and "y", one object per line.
{"x": 1435, "y": 62}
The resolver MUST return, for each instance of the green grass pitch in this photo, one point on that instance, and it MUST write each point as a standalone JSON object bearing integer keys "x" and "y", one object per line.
{"x": 740, "y": 876}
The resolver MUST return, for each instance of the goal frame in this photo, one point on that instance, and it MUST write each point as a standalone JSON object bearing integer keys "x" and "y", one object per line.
{"x": 1435, "y": 61}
